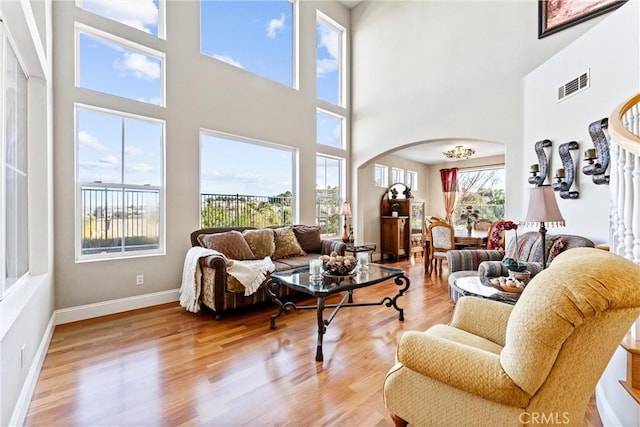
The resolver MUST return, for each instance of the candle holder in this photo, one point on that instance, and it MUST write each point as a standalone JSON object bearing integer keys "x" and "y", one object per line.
{"x": 564, "y": 176}
{"x": 539, "y": 171}
{"x": 598, "y": 158}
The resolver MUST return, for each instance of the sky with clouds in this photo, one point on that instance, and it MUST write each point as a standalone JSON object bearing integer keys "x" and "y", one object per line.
{"x": 253, "y": 35}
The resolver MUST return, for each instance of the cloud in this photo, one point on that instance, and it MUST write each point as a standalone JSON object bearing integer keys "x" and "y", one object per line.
{"x": 140, "y": 167}
{"x": 109, "y": 160}
{"x": 228, "y": 60}
{"x": 243, "y": 183}
{"x": 140, "y": 14}
{"x": 274, "y": 25}
{"x": 154, "y": 101}
{"x": 330, "y": 40}
{"x": 87, "y": 140}
{"x": 139, "y": 65}
{"x": 132, "y": 150}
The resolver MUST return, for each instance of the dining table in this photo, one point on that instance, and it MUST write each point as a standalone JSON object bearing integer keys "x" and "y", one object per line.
{"x": 477, "y": 239}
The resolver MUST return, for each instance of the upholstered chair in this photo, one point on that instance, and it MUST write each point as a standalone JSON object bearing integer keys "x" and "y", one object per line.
{"x": 501, "y": 365}
{"x": 441, "y": 240}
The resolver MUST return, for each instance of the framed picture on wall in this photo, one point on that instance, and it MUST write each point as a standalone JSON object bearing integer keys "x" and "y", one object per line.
{"x": 557, "y": 15}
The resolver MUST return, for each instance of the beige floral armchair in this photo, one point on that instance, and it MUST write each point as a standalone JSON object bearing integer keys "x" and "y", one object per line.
{"x": 502, "y": 365}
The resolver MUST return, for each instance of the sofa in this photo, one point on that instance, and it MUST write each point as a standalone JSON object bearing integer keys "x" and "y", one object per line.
{"x": 288, "y": 247}
{"x": 488, "y": 263}
{"x": 496, "y": 364}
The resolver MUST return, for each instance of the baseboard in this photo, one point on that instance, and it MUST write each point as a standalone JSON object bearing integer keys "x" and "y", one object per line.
{"x": 30, "y": 382}
{"x": 607, "y": 414}
{"x": 89, "y": 311}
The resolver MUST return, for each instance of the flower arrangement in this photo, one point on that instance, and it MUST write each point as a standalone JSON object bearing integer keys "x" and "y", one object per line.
{"x": 338, "y": 265}
{"x": 470, "y": 214}
{"x": 510, "y": 263}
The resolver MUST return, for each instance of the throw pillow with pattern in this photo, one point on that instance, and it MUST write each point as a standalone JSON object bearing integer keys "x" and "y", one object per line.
{"x": 286, "y": 243}
{"x": 231, "y": 243}
{"x": 261, "y": 242}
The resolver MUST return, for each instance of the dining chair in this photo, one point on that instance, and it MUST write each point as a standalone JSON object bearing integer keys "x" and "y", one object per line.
{"x": 441, "y": 240}
{"x": 483, "y": 224}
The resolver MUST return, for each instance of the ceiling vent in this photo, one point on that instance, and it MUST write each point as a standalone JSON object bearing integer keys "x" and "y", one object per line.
{"x": 577, "y": 85}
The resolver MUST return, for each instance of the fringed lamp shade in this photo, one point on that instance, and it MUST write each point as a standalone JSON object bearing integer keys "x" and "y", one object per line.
{"x": 543, "y": 209}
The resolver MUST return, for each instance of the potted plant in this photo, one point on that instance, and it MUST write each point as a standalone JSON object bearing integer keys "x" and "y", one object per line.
{"x": 395, "y": 209}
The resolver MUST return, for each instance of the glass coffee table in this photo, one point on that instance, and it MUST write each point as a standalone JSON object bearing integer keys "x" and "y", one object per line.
{"x": 299, "y": 280}
{"x": 481, "y": 287}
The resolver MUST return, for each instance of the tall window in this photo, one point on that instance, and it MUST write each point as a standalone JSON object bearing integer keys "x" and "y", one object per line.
{"x": 114, "y": 66}
{"x": 381, "y": 175}
{"x": 257, "y": 36}
{"x": 144, "y": 15}
{"x": 329, "y": 64}
{"x": 412, "y": 180}
{"x": 251, "y": 185}
{"x": 397, "y": 175}
{"x": 14, "y": 159}
{"x": 120, "y": 183}
{"x": 484, "y": 190}
{"x": 329, "y": 129}
{"x": 329, "y": 193}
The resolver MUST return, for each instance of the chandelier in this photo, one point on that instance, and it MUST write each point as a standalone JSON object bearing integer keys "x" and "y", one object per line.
{"x": 459, "y": 152}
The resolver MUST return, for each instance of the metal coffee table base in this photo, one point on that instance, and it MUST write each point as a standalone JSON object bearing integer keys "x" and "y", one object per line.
{"x": 286, "y": 307}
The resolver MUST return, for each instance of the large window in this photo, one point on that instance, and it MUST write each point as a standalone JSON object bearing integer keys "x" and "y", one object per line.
{"x": 412, "y": 180}
{"x": 484, "y": 190}
{"x": 144, "y": 15}
{"x": 257, "y": 36}
{"x": 120, "y": 184}
{"x": 114, "y": 66}
{"x": 14, "y": 247}
{"x": 329, "y": 193}
{"x": 397, "y": 175}
{"x": 329, "y": 63}
{"x": 250, "y": 185}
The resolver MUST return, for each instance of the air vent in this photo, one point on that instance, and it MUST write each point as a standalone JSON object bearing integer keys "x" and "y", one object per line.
{"x": 574, "y": 86}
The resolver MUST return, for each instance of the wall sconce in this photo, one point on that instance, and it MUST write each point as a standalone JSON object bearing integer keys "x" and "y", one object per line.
{"x": 564, "y": 176}
{"x": 598, "y": 158}
{"x": 539, "y": 170}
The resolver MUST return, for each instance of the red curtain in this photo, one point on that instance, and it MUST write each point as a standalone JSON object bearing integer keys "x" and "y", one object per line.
{"x": 449, "y": 179}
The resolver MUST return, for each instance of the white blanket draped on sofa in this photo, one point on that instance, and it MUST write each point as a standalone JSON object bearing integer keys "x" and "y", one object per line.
{"x": 250, "y": 274}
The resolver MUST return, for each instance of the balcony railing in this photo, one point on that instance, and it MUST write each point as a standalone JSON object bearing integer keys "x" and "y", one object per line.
{"x": 239, "y": 210}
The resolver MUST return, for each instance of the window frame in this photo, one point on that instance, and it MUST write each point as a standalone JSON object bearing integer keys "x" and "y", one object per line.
{"x": 460, "y": 204}
{"x": 342, "y": 127}
{"x": 80, "y": 28}
{"x": 400, "y": 171}
{"x": 412, "y": 182}
{"x": 341, "y": 190}
{"x": 7, "y": 44}
{"x": 384, "y": 174}
{"x": 332, "y": 24}
{"x": 123, "y": 254}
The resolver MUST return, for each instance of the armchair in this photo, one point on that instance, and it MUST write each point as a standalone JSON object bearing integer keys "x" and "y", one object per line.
{"x": 497, "y": 364}
{"x": 488, "y": 263}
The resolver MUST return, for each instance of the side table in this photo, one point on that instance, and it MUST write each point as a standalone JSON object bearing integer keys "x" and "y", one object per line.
{"x": 354, "y": 248}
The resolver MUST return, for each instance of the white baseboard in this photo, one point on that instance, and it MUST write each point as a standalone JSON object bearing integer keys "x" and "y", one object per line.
{"x": 607, "y": 414}
{"x": 30, "y": 382}
{"x": 89, "y": 311}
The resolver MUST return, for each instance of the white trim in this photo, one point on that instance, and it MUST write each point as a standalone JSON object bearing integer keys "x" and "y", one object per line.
{"x": 30, "y": 382}
{"x": 606, "y": 412}
{"x": 104, "y": 308}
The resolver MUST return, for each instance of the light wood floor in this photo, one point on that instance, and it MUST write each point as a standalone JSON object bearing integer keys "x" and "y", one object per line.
{"x": 165, "y": 366}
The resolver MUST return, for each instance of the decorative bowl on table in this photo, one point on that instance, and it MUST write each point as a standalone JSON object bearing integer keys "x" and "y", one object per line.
{"x": 508, "y": 284}
{"x": 338, "y": 265}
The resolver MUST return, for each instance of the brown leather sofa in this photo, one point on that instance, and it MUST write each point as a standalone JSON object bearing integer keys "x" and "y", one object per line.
{"x": 220, "y": 292}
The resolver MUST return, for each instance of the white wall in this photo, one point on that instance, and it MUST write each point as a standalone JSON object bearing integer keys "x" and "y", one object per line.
{"x": 201, "y": 93}
{"x": 427, "y": 70}
{"x": 612, "y": 51}
{"x": 26, "y": 312}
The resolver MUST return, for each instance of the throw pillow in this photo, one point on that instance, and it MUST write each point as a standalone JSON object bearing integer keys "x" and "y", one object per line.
{"x": 557, "y": 247}
{"x": 231, "y": 243}
{"x": 286, "y": 243}
{"x": 309, "y": 238}
{"x": 261, "y": 242}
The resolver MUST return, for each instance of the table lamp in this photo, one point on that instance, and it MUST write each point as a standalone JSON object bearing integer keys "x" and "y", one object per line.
{"x": 346, "y": 211}
{"x": 543, "y": 209}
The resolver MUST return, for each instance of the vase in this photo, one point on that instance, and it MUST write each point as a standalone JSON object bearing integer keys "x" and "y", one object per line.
{"x": 469, "y": 228}
{"x": 523, "y": 276}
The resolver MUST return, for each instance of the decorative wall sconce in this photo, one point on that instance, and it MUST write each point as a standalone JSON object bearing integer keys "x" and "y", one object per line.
{"x": 598, "y": 158}
{"x": 539, "y": 170}
{"x": 564, "y": 176}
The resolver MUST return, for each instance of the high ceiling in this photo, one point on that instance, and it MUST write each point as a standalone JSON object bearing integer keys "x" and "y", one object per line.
{"x": 350, "y": 3}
